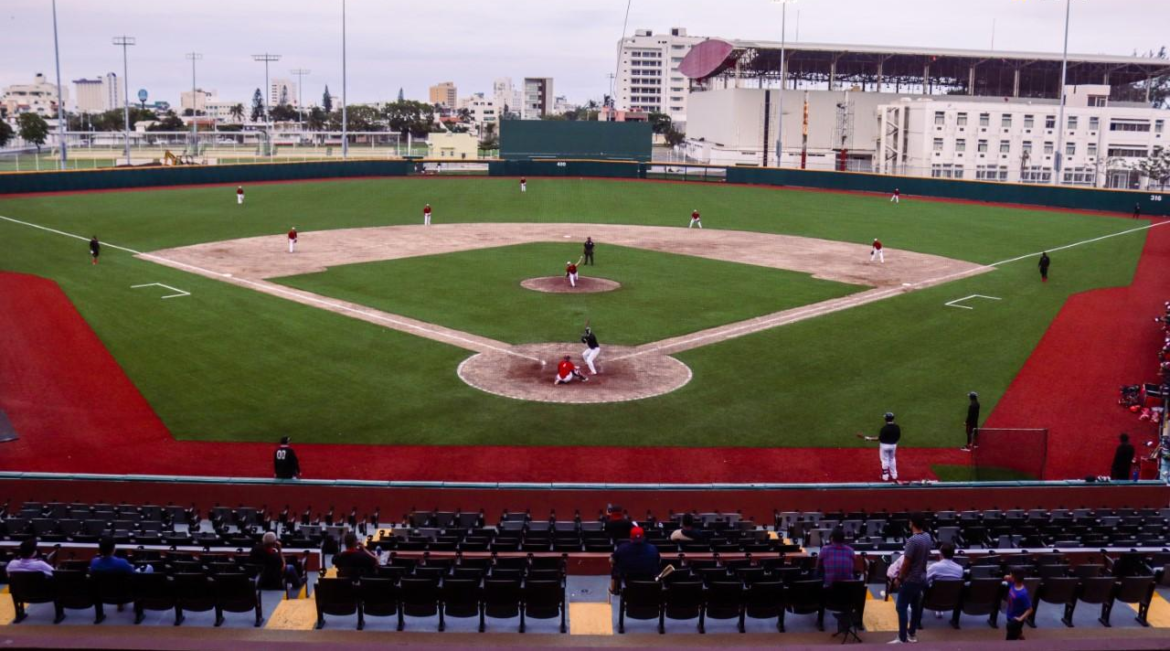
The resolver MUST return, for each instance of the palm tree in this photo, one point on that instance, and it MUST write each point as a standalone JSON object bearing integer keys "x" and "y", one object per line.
{"x": 237, "y": 112}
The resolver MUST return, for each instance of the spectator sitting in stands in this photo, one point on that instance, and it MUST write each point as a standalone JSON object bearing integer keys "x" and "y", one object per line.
{"x": 617, "y": 525}
{"x": 634, "y": 560}
{"x": 106, "y": 561}
{"x": 835, "y": 562}
{"x": 688, "y": 532}
{"x": 946, "y": 568}
{"x": 355, "y": 560}
{"x": 275, "y": 569}
{"x": 27, "y": 560}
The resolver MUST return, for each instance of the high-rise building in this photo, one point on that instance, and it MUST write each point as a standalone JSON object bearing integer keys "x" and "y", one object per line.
{"x": 195, "y": 100}
{"x": 282, "y": 91}
{"x": 39, "y": 97}
{"x": 538, "y": 98}
{"x": 444, "y": 93}
{"x": 115, "y": 94}
{"x": 508, "y": 98}
{"x": 91, "y": 95}
{"x": 648, "y": 77}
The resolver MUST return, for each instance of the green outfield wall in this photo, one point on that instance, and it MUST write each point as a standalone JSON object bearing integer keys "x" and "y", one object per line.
{"x": 521, "y": 139}
{"x": 147, "y": 177}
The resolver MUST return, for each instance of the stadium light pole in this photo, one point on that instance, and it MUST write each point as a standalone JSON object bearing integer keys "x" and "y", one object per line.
{"x": 126, "y": 42}
{"x": 194, "y": 56}
{"x": 300, "y": 74}
{"x": 344, "y": 110}
{"x": 60, "y": 100}
{"x": 267, "y": 58}
{"x": 1056, "y": 171}
{"x": 783, "y": 81}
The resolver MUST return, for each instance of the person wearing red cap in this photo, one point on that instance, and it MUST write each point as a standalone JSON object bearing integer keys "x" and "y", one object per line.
{"x": 634, "y": 560}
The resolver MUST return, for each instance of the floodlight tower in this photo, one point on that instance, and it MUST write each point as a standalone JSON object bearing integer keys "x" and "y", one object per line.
{"x": 126, "y": 42}
{"x": 783, "y": 80}
{"x": 267, "y": 59}
{"x": 193, "y": 57}
{"x": 300, "y": 74}
{"x": 60, "y": 100}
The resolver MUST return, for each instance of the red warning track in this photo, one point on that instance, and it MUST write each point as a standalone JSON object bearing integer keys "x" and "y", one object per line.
{"x": 77, "y": 411}
{"x": 1099, "y": 341}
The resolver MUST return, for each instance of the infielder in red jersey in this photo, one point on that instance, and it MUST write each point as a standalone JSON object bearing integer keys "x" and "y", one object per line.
{"x": 876, "y": 252}
{"x": 566, "y": 371}
{"x": 292, "y": 239}
{"x": 427, "y": 215}
{"x": 523, "y": 184}
{"x": 240, "y": 195}
{"x": 695, "y": 221}
{"x": 571, "y": 273}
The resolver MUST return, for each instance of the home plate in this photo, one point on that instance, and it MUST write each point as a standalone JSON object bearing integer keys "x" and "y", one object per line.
{"x": 568, "y": 236}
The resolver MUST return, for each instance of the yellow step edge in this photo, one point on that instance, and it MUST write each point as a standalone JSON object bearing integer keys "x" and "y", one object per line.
{"x": 1159, "y": 615}
{"x": 880, "y": 616}
{"x": 7, "y": 608}
{"x": 293, "y": 615}
{"x": 590, "y": 619}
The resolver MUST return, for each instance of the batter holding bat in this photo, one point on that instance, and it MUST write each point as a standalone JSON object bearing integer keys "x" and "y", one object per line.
{"x": 887, "y": 440}
{"x": 592, "y": 349}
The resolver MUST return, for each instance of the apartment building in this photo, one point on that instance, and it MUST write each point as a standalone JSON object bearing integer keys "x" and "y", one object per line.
{"x": 538, "y": 98}
{"x": 444, "y": 93}
{"x": 648, "y": 78}
{"x": 39, "y": 97}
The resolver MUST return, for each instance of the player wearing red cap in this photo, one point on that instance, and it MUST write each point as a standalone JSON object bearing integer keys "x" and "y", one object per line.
{"x": 695, "y": 221}
{"x": 240, "y": 195}
{"x": 896, "y": 197}
{"x": 571, "y": 273}
{"x": 292, "y": 239}
{"x": 876, "y": 251}
{"x": 566, "y": 371}
{"x": 427, "y": 215}
{"x": 523, "y": 184}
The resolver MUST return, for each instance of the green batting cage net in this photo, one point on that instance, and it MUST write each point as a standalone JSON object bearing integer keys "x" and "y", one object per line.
{"x": 628, "y": 141}
{"x": 1006, "y": 454}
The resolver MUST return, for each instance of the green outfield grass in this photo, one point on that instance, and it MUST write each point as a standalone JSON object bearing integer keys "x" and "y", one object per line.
{"x": 662, "y": 295}
{"x": 228, "y": 363}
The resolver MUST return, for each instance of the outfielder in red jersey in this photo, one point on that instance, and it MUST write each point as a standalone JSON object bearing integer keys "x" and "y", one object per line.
{"x": 427, "y": 215}
{"x": 695, "y": 220}
{"x": 523, "y": 184}
{"x": 292, "y": 239}
{"x": 566, "y": 371}
{"x": 876, "y": 252}
{"x": 571, "y": 273}
{"x": 897, "y": 196}
{"x": 240, "y": 195}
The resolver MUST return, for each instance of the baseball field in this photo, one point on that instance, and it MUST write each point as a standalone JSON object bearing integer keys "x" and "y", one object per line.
{"x": 767, "y": 330}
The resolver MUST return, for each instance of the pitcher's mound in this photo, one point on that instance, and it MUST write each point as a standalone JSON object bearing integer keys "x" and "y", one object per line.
{"x": 624, "y": 374}
{"x": 558, "y": 285}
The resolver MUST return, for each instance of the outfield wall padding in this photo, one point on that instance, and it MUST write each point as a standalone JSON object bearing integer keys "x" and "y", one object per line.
{"x": 1153, "y": 204}
{"x": 145, "y": 177}
{"x": 589, "y": 168}
{"x": 522, "y": 139}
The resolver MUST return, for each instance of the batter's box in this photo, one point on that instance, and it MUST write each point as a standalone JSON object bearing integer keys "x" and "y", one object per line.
{"x": 955, "y": 303}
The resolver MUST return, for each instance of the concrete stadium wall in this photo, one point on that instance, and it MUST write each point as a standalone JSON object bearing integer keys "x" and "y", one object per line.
{"x": 1122, "y": 201}
{"x": 146, "y": 177}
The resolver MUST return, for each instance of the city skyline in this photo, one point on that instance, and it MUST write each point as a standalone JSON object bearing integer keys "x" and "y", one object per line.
{"x": 473, "y": 43}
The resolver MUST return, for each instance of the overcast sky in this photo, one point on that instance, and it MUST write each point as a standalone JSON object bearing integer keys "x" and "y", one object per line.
{"x": 412, "y": 45}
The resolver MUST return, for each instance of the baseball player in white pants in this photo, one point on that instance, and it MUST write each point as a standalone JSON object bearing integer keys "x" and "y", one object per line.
{"x": 876, "y": 252}
{"x": 292, "y": 239}
{"x": 887, "y": 440}
{"x": 592, "y": 349}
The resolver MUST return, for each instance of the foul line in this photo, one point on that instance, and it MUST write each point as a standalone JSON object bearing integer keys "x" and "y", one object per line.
{"x": 1069, "y": 246}
{"x": 272, "y": 288}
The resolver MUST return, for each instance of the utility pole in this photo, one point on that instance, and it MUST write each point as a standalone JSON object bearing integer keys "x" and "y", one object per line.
{"x": 783, "y": 81}
{"x": 344, "y": 110}
{"x": 1060, "y": 127}
{"x": 300, "y": 73}
{"x": 125, "y": 42}
{"x": 60, "y": 100}
{"x": 194, "y": 56}
{"x": 267, "y": 58}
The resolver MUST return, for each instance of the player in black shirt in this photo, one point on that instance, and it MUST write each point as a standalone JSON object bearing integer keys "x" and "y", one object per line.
{"x": 1044, "y": 262}
{"x": 592, "y": 349}
{"x": 887, "y": 440}
{"x": 95, "y": 248}
{"x": 285, "y": 461}
{"x": 588, "y": 259}
{"x": 972, "y": 422}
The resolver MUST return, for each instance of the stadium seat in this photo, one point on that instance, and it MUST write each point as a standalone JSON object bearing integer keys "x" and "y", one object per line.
{"x": 31, "y": 588}
{"x": 153, "y": 591}
{"x": 460, "y": 598}
{"x": 1137, "y": 590}
{"x": 983, "y": 597}
{"x": 805, "y": 597}
{"x": 74, "y": 591}
{"x": 501, "y": 600}
{"x": 944, "y": 595}
{"x": 419, "y": 597}
{"x": 338, "y": 597}
{"x": 379, "y": 598}
{"x": 544, "y": 599}
{"x": 1094, "y": 590}
{"x": 193, "y": 592}
{"x": 641, "y": 600}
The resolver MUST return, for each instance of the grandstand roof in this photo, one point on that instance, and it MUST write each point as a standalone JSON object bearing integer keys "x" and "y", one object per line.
{"x": 1007, "y": 73}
